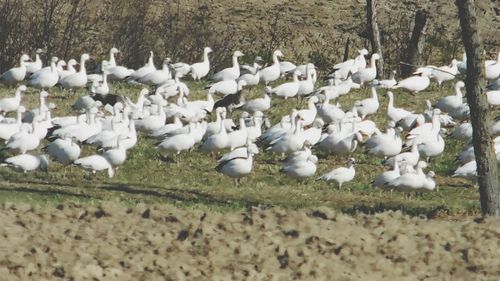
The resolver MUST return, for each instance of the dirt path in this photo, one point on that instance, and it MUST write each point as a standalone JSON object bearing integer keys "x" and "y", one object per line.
{"x": 166, "y": 243}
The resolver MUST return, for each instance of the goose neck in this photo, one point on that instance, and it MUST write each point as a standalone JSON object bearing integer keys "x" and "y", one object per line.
{"x": 82, "y": 66}
{"x": 235, "y": 62}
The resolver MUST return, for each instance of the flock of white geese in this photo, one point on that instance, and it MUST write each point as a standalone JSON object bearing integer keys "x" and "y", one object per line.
{"x": 111, "y": 122}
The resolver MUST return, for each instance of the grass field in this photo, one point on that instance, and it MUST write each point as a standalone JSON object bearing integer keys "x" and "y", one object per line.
{"x": 149, "y": 177}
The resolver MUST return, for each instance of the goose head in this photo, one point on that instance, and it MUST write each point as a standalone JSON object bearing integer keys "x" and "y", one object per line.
{"x": 238, "y": 54}
{"x": 85, "y": 57}
{"x": 460, "y": 84}
{"x": 144, "y": 92}
{"x": 61, "y": 63}
{"x": 54, "y": 60}
{"x": 24, "y": 58}
{"x": 72, "y": 62}
{"x": 207, "y": 50}
{"x": 375, "y": 56}
{"x": 350, "y": 162}
{"x": 22, "y": 88}
{"x": 313, "y": 100}
{"x": 44, "y": 94}
{"x": 39, "y": 51}
{"x": 363, "y": 52}
{"x": 278, "y": 53}
{"x": 114, "y": 50}
{"x": 258, "y": 59}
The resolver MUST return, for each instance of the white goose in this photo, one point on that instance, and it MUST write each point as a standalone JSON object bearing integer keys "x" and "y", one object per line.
{"x": 70, "y": 68}
{"x": 387, "y": 176}
{"x": 301, "y": 169}
{"x": 116, "y": 72}
{"x": 287, "y": 67}
{"x": 306, "y": 86}
{"x": 463, "y": 132}
{"x": 367, "y": 74}
{"x": 339, "y": 143}
{"x": 167, "y": 128}
{"x": 286, "y": 90}
{"x": 291, "y": 141}
{"x": 157, "y": 77}
{"x": 343, "y": 69}
{"x": 24, "y": 141}
{"x": 101, "y": 88}
{"x": 45, "y": 79}
{"x": 258, "y": 104}
{"x": 252, "y": 79}
{"x": 414, "y": 181}
{"x": 151, "y": 123}
{"x": 313, "y": 134}
{"x": 251, "y": 69}
{"x": 41, "y": 111}
{"x": 95, "y": 163}
{"x": 254, "y": 131}
{"x": 430, "y": 143}
{"x": 395, "y": 114}
{"x": 112, "y": 60}
{"x": 145, "y": 70}
{"x": 217, "y": 141}
{"x": 341, "y": 175}
{"x": 231, "y": 73}
{"x": 468, "y": 170}
{"x": 368, "y": 106}
{"x": 26, "y": 163}
{"x": 493, "y": 97}
{"x": 385, "y": 145}
{"x": 9, "y": 129}
{"x": 410, "y": 158}
{"x": 172, "y": 87}
{"x": 226, "y": 87}
{"x": 451, "y": 103}
{"x": 329, "y": 112}
{"x": 16, "y": 74}
{"x": 462, "y": 65}
{"x": 419, "y": 82}
{"x": 12, "y": 103}
{"x": 492, "y": 71}
{"x": 117, "y": 155}
{"x": 79, "y": 79}
{"x": 237, "y": 166}
{"x": 64, "y": 150}
{"x": 201, "y": 69}
{"x": 36, "y": 65}
{"x": 271, "y": 72}
{"x": 180, "y": 142}
{"x": 389, "y": 83}
{"x": 309, "y": 115}
{"x": 239, "y": 137}
{"x": 445, "y": 73}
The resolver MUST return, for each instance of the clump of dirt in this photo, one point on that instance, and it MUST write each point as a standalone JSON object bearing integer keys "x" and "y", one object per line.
{"x": 153, "y": 242}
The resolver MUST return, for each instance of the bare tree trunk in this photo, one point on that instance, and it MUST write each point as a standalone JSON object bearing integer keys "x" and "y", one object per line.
{"x": 371, "y": 15}
{"x": 487, "y": 173}
{"x": 416, "y": 45}
{"x": 346, "y": 49}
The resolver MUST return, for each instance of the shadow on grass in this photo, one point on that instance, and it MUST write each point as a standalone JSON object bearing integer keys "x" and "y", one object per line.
{"x": 45, "y": 192}
{"x": 428, "y": 212}
{"x": 180, "y": 195}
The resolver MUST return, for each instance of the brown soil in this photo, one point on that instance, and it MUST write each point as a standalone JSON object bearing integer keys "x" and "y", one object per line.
{"x": 113, "y": 242}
